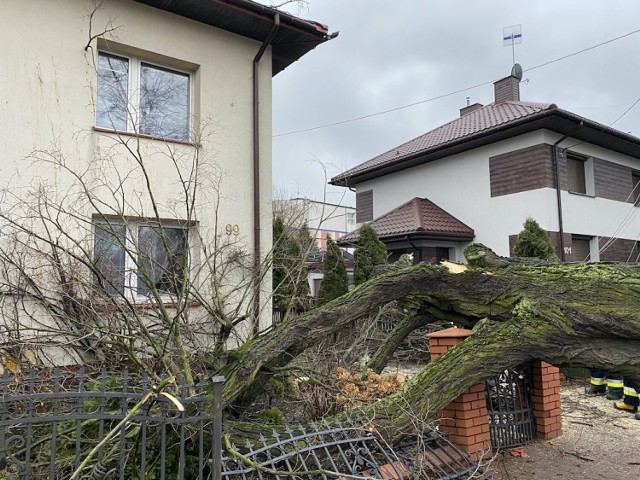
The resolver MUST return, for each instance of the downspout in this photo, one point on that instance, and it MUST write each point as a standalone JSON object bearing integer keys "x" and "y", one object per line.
{"x": 256, "y": 175}
{"x": 416, "y": 249}
{"x": 558, "y": 192}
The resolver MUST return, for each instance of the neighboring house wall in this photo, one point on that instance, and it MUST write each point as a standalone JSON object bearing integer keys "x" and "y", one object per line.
{"x": 50, "y": 98}
{"x": 323, "y": 219}
{"x": 496, "y": 187}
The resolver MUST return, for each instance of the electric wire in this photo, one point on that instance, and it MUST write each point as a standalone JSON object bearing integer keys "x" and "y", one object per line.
{"x": 462, "y": 90}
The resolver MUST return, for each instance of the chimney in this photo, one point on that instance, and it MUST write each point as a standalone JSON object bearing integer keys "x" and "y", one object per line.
{"x": 507, "y": 89}
{"x": 470, "y": 108}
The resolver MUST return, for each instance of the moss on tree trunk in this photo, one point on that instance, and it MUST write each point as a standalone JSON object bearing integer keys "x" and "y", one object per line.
{"x": 566, "y": 314}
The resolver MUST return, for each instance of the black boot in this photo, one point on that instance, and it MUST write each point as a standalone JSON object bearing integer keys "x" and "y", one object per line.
{"x": 615, "y": 394}
{"x": 597, "y": 390}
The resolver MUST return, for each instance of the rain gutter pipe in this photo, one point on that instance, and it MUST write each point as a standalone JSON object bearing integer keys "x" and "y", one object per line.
{"x": 256, "y": 175}
{"x": 416, "y": 249}
{"x": 558, "y": 192}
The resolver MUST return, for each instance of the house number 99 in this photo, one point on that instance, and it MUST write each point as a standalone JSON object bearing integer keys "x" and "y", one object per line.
{"x": 232, "y": 229}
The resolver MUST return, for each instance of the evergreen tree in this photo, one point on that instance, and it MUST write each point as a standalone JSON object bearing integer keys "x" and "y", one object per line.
{"x": 533, "y": 242}
{"x": 290, "y": 287}
{"x": 369, "y": 253}
{"x": 335, "y": 282}
{"x": 307, "y": 242}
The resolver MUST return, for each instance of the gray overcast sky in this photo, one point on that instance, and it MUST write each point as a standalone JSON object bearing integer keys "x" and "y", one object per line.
{"x": 393, "y": 53}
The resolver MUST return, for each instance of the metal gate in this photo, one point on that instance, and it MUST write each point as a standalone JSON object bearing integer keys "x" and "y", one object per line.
{"x": 510, "y": 408}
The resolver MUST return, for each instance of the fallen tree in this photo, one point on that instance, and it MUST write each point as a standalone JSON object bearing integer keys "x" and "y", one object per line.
{"x": 580, "y": 314}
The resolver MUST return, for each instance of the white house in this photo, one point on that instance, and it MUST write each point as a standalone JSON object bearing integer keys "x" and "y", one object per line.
{"x": 139, "y": 133}
{"x": 323, "y": 219}
{"x": 478, "y": 177}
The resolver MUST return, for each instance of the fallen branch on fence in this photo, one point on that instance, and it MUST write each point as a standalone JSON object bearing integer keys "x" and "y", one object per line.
{"x": 154, "y": 392}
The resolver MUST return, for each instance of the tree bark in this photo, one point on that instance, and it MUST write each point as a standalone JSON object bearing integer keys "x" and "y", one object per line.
{"x": 394, "y": 339}
{"x": 566, "y": 314}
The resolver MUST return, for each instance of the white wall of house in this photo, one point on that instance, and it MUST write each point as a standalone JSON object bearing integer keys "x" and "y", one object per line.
{"x": 460, "y": 184}
{"x": 49, "y": 83}
{"x": 322, "y": 218}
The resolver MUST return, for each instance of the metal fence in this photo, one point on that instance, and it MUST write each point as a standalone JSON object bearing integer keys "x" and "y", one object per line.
{"x": 347, "y": 448}
{"x": 510, "y": 409}
{"x": 50, "y": 421}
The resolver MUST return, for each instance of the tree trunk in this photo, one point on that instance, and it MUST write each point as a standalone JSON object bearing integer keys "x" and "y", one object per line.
{"x": 566, "y": 314}
{"x": 394, "y": 339}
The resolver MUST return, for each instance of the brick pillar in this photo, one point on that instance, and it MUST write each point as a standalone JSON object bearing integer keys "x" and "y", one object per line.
{"x": 546, "y": 400}
{"x": 466, "y": 418}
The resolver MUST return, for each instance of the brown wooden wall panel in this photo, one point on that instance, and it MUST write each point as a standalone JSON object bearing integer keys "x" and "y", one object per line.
{"x": 522, "y": 170}
{"x": 612, "y": 181}
{"x": 364, "y": 206}
{"x": 618, "y": 250}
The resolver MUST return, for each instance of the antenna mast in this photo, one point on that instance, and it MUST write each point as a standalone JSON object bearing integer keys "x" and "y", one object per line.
{"x": 510, "y": 36}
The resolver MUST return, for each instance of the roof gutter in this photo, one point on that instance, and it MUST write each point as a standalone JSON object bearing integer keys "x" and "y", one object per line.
{"x": 257, "y": 246}
{"x": 556, "y": 165}
{"x": 484, "y": 136}
{"x": 415, "y": 249}
{"x": 304, "y": 26}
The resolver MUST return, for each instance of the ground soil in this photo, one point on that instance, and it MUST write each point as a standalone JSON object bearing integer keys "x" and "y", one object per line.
{"x": 597, "y": 442}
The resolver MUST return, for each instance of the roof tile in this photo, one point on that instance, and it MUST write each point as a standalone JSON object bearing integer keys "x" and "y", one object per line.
{"x": 417, "y": 216}
{"x": 480, "y": 120}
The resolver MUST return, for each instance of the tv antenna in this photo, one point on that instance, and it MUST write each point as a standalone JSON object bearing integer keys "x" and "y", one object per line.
{"x": 511, "y": 36}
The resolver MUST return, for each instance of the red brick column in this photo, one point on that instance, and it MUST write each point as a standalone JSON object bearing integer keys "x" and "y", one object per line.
{"x": 466, "y": 418}
{"x": 546, "y": 400}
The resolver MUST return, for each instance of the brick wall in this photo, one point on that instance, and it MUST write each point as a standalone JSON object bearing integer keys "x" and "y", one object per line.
{"x": 466, "y": 418}
{"x": 546, "y": 400}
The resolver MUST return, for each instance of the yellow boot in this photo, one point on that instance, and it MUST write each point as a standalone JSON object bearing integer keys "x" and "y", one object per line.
{"x": 625, "y": 406}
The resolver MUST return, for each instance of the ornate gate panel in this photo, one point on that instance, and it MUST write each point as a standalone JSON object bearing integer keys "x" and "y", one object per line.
{"x": 510, "y": 408}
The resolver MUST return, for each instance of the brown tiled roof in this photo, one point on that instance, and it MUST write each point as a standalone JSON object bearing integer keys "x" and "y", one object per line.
{"x": 483, "y": 120}
{"x": 418, "y": 216}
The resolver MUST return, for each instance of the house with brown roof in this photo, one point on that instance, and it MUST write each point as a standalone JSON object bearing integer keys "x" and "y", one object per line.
{"x": 478, "y": 177}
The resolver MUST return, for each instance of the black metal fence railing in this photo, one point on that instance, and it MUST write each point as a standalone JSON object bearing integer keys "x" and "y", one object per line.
{"x": 49, "y": 423}
{"x": 348, "y": 448}
{"x": 510, "y": 409}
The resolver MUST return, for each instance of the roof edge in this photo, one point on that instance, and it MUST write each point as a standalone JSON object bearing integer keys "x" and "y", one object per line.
{"x": 440, "y": 151}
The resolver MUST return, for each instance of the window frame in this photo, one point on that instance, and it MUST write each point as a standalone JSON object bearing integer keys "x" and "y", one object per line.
{"x": 134, "y": 94}
{"x": 588, "y": 181}
{"x": 131, "y": 246}
{"x": 635, "y": 187}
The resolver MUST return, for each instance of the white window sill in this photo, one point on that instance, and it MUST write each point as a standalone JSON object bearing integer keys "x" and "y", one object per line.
{"x": 581, "y": 194}
{"x": 122, "y": 133}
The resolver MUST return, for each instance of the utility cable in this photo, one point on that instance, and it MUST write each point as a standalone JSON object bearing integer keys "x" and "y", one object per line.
{"x": 355, "y": 119}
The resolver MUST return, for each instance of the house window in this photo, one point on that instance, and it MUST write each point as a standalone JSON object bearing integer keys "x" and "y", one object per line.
{"x": 576, "y": 177}
{"x": 136, "y": 257}
{"x": 135, "y": 96}
{"x": 351, "y": 221}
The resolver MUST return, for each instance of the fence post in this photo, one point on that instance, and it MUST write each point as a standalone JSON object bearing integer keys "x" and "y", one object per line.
{"x": 466, "y": 418}
{"x": 546, "y": 400}
{"x": 216, "y": 454}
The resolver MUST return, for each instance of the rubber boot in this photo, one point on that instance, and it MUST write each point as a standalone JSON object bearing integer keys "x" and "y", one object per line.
{"x": 614, "y": 394}
{"x": 597, "y": 390}
{"x": 625, "y": 407}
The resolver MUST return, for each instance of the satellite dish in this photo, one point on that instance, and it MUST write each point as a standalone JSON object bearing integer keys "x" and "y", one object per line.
{"x": 516, "y": 71}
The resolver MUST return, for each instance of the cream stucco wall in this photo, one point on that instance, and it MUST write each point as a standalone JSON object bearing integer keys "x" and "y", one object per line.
{"x": 460, "y": 184}
{"x": 48, "y": 80}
